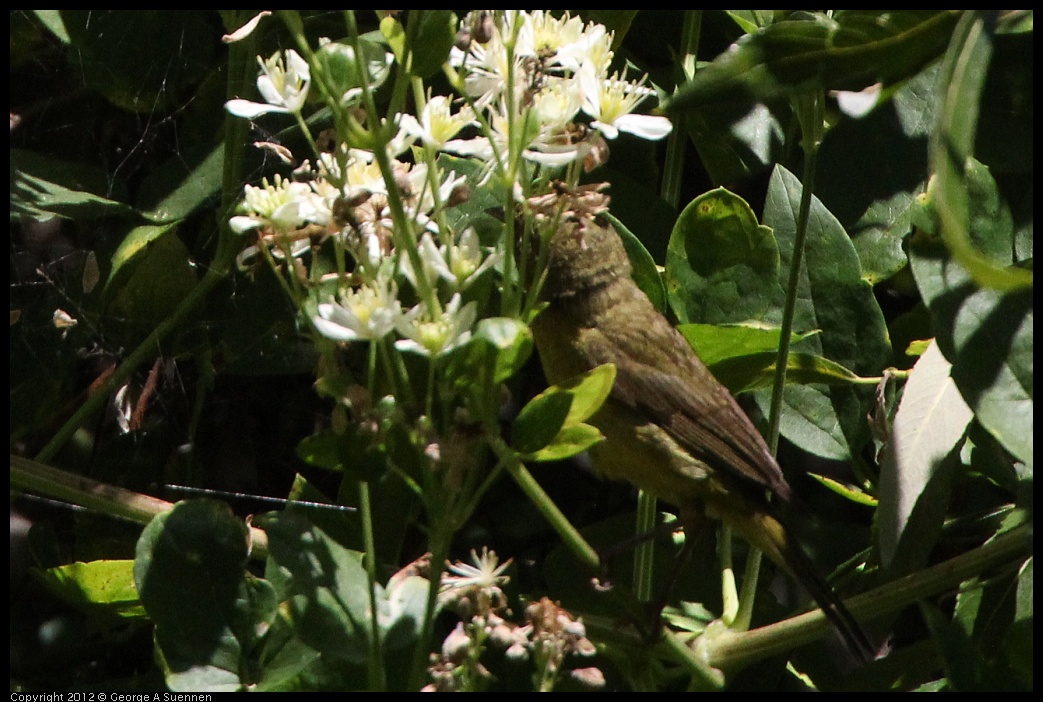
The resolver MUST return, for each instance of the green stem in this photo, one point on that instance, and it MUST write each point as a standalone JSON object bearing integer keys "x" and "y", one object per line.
{"x": 406, "y": 239}
{"x": 36, "y": 477}
{"x": 146, "y": 351}
{"x": 439, "y": 542}
{"x": 377, "y": 677}
{"x": 644, "y": 554}
{"x": 735, "y": 652}
{"x": 722, "y": 650}
{"x": 569, "y": 534}
{"x": 673, "y": 166}
{"x": 809, "y": 111}
{"x": 241, "y": 72}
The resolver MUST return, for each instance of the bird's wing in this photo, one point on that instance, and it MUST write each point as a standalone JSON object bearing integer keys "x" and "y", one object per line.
{"x": 689, "y": 403}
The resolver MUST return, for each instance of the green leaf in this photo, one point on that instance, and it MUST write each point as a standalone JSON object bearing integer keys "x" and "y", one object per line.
{"x": 142, "y": 60}
{"x": 757, "y": 371}
{"x": 182, "y": 185}
{"x": 551, "y": 425}
{"x": 849, "y": 51}
{"x": 717, "y": 342}
{"x": 1018, "y": 642}
{"x": 737, "y": 141}
{"x": 508, "y": 344}
{"x": 833, "y": 297}
{"x": 644, "y": 271}
{"x": 134, "y": 244}
{"x": 433, "y": 37}
{"x": 338, "y": 519}
{"x": 883, "y": 152}
{"x": 721, "y": 265}
{"x": 337, "y": 60}
{"x": 930, "y": 424}
{"x": 750, "y": 21}
{"x": 190, "y": 571}
{"x": 321, "y": 449}
{"x": 42, "y": 187}
{"x": 987, "y": 336}
{"x": 260, "y": 335}
{"x": 99, "y": 586}
{"x": 151, "y": 275}
{"x": 52, "y": 20}
{"x": 724, "y": 267}
{"x": 589, "y": 391}
{"x": 329, "y": 603}
{"x": 395, "y": 35}
{"x": 845, "y": 491}
{"x": 570, "y": 441}
{"x": 952, "y": 145}
{"x": 540, "y": 421}
{"x": 329, "y": 589}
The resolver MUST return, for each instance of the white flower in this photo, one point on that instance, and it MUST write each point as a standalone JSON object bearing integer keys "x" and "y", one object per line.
{"x": 430, "y": 336}
{"x": 467, "y": 262}
{"x": 487, "y": 572}
{"x": 565, "y": 41}
{"x": 446, "y": 189}
{"x": 437, "y": 124}
{"x": 557, "y": 103}
{"x": 541, "y": 146}
{"x": 460, "y": 265}
{"x": 487, "y": 69}
{"x": 610, "y": 102}
{"x": 367, "y": 312}
{"x": 282, "y": 206}
{"x": 431, "y": 258}
{"x": 283, "y": 84}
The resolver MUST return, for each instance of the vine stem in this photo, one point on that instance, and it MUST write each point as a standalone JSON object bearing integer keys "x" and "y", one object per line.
{"x": 241, "y": 71}
{"x": 42, "y": 479}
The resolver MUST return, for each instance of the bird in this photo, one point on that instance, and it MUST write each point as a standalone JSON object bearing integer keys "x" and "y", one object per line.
{"x": 670, "y": 428}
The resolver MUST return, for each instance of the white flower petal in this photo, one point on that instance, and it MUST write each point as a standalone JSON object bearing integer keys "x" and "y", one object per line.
{"x": 645, "y": 126}
{"x": 331, "y": 329}
{"x": 251, "y": 110}
{"x": 246, "y": 29}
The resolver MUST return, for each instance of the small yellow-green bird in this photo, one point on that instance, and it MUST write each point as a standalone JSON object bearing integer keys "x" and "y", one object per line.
{"x": 670, "y": 427}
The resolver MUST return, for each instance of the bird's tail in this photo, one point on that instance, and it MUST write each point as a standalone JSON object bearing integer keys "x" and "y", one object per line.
{"x": 807, "y": 573}
{"x": 765, "y": 531}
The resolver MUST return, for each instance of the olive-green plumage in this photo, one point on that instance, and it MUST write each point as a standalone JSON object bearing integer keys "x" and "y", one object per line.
{"x": 670, "y": 428}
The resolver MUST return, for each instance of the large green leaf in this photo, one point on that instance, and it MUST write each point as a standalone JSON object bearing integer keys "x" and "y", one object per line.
{"x": 42, "y": 187}
{"x": 870, "y": 170}
{"x": 98, "y": 586}
{"x": 834, "y": 297}
{"x": 848, "y": 51}
{"x": 721, "y": 265}
{"x": 963, "y": 75}
{"x": 329, "y": 593}
{"x": 431, "y": 38}
{"x": 208, "y": 612}
{"x": 915, "y": 475}
{"x": 140, "y": 59}
{"x": 986, "y": 334}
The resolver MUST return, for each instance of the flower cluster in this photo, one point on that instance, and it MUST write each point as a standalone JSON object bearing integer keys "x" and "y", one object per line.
{"x": 533, "y": 85}
{"x": 549, "y": 637}
{"x": 474, "y": 591}
{"x": 550, "y": 634}
{"x": 403, "y": 229}
{"x": 536, "y": 75}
